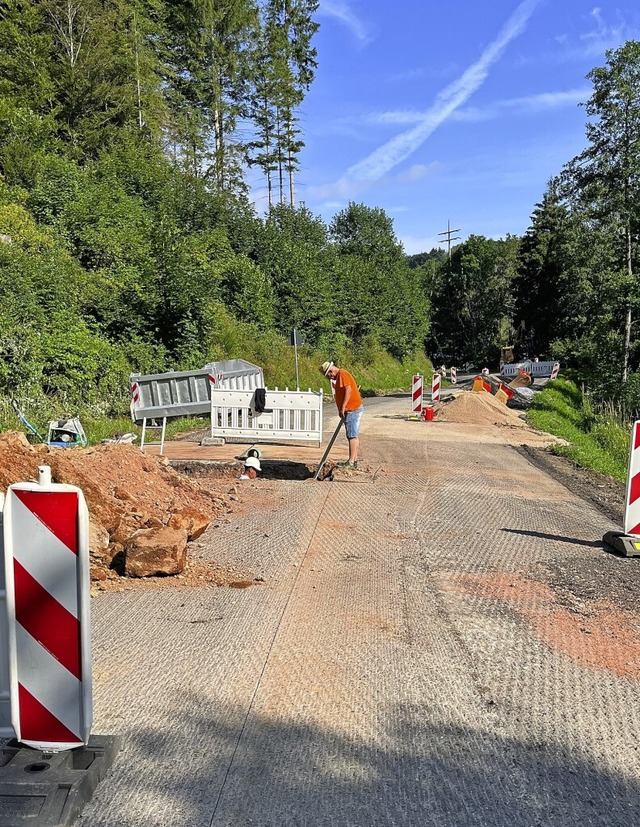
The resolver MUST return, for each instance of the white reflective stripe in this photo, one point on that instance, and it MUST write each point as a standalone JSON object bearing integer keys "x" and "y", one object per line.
{"x": 632, "y": 519}
{"x": 49, "y": 682}
{"x": 44, "y": 556}
{"x": 632, "y": 509}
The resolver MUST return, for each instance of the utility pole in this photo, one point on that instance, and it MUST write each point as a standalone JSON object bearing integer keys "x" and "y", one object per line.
{"x": 450, "y": 237}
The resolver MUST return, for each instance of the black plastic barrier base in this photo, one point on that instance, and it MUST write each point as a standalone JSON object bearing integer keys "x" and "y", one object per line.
{"x": 50, "y": 790}
{"x": 622, "y": 543}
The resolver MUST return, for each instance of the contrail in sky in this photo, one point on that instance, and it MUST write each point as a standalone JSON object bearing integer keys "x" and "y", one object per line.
{"x": 402, "y": 146}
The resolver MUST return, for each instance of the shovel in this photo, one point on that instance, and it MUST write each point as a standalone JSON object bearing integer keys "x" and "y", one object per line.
{"x": 329, "y": 447}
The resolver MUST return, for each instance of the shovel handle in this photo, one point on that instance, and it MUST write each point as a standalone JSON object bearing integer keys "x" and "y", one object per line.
{"x": 329, "y": 447}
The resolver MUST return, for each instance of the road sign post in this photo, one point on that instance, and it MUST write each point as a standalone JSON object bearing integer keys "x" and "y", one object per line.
{"x": 296, "y": 339}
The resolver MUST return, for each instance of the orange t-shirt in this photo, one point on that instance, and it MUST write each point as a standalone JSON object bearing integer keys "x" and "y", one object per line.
{"x": 343, "y": 381}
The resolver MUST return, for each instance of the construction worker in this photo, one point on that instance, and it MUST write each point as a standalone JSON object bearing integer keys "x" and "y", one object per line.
{"x": 251, "y": 468}
{"x": 349, "y": 405}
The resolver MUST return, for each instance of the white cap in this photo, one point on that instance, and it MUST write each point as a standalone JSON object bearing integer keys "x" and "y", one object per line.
{"x": 252, "y": 462}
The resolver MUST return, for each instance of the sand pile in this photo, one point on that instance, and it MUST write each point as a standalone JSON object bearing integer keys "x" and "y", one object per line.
{"x": 479, "y": 409}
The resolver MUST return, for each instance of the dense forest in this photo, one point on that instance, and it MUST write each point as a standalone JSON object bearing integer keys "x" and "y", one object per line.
{"x": 128, "y": 240}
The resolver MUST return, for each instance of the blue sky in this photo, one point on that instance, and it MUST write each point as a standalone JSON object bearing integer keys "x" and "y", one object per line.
{"x": 455, "y": 110}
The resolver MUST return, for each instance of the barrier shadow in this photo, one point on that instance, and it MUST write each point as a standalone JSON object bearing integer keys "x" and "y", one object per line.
{"x": 557, "y": 537}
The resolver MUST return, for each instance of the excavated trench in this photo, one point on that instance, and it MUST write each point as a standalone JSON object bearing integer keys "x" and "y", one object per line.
{"x": 271, "y": 469}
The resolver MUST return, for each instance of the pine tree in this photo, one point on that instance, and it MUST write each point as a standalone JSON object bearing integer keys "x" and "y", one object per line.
{"x": 209, "y": 59}
{"x": 542, "y": 261}
{"x": 286, "y": 64}
{"x": 603, "y": 182}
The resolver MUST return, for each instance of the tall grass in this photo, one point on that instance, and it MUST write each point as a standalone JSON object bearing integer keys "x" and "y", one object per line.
{"x": 598, "y": 440}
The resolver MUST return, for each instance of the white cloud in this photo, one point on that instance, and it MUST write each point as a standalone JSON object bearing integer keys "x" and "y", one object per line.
{"x": 344, "y": 188}
{"x": 383, "y": 159}
{"x": 341, "y": 10}
{"x": 397, "y": 117}
{"x": 591, "y": 44}
{"x": 604, "y": 36}
{"x": 418, "y": 171}
{"x": 530, "y": 105}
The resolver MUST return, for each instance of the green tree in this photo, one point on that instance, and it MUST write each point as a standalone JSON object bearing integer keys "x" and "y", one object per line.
{"x": 380, "y": 295}
{"x": 544, "y": 257}
{"x": 209, "y": 63}
{"x": 604, "y": 180}
{"x": 472, "y": 299}
{"x": 294, "y": 254}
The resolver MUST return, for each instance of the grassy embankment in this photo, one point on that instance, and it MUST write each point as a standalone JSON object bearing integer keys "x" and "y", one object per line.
{"x": 377, "y": 372}
{"x": 596, "y": 441}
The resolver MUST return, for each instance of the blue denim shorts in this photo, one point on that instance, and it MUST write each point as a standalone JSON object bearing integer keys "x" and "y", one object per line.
{"x": 352, "y": 422}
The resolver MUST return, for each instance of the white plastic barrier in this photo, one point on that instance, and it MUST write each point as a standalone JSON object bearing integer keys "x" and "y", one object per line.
{"x": 46, "y": 567}
{"x": 538, "y": 370}
{"x": 291, "y": 416}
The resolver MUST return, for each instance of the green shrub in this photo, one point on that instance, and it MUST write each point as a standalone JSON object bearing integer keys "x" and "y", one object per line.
{"x": 595, "y": 441}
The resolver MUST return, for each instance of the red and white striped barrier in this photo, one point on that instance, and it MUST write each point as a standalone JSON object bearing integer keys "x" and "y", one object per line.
{"x": 555, "y": 370}
{"x": 435, "y": 387}
{"x": 485, "y": 371}
{"x": 416, "y": 394}
{"x": 46, "y": 538}
{"x": 454, "y": 376}
{"x": 632, "y": 503}
{"x": 216, "y": 378}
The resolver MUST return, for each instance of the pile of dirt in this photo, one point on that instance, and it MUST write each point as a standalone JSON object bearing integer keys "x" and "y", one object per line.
{"x": 142, "y": 512}
{"x": 471, "y": 408}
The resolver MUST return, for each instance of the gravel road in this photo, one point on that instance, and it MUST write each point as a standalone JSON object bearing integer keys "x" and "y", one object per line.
{"x": 441, "y": 641}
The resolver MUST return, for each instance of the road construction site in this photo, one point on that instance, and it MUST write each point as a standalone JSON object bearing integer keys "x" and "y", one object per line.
{"x": 438, "y": 640}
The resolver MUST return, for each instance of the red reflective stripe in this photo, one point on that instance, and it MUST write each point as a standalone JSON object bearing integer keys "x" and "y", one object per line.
{"x": 636, "y": 436}
{"x": 634, "y": 489}
{"x": 58, "y": 510}
{"x": 47, "y": 620}
{"x": 38, "y": 724}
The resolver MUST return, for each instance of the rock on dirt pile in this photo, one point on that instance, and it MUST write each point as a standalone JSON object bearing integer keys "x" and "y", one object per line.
{"x": 479, "y": 409}
{"x": 142, "y": 512}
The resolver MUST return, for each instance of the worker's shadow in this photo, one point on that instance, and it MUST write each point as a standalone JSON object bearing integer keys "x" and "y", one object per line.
{"x": 543, "y": 535}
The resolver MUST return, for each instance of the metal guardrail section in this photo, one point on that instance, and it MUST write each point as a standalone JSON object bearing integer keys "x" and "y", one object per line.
{"x": 180, "y": 393}
{"x": 292, "y": 416}
{"x": 537, "y": 370}
{"x": 237, "y": 375}
{"x": 188, "y": 393}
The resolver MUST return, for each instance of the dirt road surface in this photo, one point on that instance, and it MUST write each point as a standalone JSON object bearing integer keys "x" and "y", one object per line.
{"x": 443, "y": 641}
